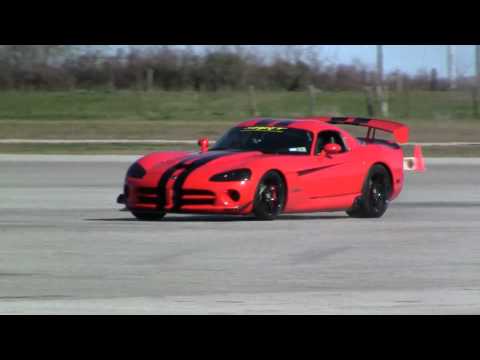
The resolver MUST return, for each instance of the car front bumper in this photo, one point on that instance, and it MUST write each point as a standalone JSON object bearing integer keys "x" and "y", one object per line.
{"x": 206, "y": 197}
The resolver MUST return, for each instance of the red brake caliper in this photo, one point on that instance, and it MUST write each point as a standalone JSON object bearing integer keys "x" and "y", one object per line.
{"x": 273, "y": 192}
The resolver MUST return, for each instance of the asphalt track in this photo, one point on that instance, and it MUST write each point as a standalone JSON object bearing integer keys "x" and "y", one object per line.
{"x": 65, "y": 248}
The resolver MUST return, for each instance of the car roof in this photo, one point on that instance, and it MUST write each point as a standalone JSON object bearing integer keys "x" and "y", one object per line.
{"x": 311, "y": 124}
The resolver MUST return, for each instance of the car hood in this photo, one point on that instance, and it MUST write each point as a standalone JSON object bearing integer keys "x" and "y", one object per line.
{"x": 216, "y": 161}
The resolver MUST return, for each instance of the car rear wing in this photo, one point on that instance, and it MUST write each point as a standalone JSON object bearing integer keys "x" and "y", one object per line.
{"x": 401, "y": 132}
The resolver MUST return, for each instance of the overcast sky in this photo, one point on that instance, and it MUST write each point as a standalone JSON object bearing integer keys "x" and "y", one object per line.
{"x": 407, "y": 58}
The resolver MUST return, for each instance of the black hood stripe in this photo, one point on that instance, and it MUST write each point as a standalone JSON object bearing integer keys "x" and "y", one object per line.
{"x": 348, "y": 121}
{"x": 162, "y": 186}
{"x": 182, "y": 178}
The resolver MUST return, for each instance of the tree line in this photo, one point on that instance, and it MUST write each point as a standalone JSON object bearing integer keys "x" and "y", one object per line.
{"x": 62, "y": 67}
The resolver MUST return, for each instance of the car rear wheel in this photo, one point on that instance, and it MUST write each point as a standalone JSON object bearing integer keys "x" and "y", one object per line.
{"x": 376, "y": 192}
{"x": 270, "y": 196}
{"x": 145, "y": 216}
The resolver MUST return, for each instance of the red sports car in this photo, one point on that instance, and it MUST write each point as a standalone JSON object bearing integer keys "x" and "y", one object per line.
{"x": 267, "y": 167}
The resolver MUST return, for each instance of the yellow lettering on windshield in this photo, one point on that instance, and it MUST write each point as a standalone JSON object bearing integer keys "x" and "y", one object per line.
{"x": 265, "y": 129}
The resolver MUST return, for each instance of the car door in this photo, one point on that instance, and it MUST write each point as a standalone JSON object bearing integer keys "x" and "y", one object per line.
{"x": 331, "y": 175}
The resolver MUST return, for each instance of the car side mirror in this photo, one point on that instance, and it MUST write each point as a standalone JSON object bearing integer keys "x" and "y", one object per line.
{"x": 332, "y": 149}
{"x": 203, "y": 144}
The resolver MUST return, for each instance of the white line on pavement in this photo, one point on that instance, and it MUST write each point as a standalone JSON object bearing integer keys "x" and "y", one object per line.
{"x": 131, "y": 158}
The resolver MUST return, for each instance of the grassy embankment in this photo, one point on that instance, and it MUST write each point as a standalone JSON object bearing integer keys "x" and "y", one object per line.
{"x": 433, "y": 117}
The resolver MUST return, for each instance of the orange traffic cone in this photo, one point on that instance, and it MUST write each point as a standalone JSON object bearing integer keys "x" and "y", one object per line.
{"x": 419, "y": 159}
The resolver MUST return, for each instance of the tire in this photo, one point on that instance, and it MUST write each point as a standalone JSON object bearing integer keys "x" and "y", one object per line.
{"x": 145, "y": 216}
{"x": 373, "y": 203}
{"x": 270, "y": 197}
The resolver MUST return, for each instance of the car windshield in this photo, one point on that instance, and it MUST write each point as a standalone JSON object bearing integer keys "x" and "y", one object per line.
{"x": 269, "y": 140}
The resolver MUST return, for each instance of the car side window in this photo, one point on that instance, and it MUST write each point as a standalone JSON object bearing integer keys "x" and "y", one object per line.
{"x": 329, "y": 137}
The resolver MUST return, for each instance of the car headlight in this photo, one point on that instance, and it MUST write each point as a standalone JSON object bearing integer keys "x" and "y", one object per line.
{"x": 136, "y": 171}
{"x": 234, "y": 175}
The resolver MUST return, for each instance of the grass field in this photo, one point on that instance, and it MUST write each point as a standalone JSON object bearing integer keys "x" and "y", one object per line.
{"x": 221, "y": 106}
{"x": 433, "y": 117}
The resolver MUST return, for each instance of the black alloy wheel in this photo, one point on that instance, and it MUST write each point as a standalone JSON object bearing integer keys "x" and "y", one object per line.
{"x": 270, "y": 197}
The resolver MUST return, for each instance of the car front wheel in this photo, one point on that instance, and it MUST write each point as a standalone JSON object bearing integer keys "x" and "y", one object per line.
{"x": 270, "y": 196}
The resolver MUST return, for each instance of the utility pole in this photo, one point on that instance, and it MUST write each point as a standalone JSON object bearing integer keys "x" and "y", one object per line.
{"x": 476, "y": 91}
{"x": 380, "y": 82}
{"x": 452, "y": 67}
{"x": 477, "y": 61}
{"x": 477, "y": 53}
{"x": 380, "y": 65}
